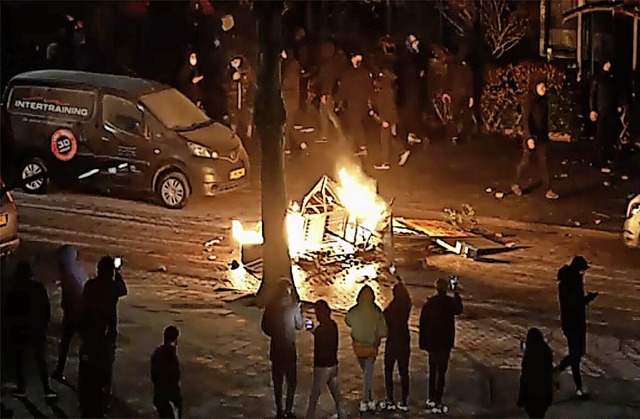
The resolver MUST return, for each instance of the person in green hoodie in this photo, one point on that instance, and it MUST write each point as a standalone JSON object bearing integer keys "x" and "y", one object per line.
{"x": 368, "y": 327}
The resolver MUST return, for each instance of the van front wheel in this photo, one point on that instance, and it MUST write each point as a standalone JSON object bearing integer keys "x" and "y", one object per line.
{"x": 173, "y": 190}
{"x": 32, "y": 168}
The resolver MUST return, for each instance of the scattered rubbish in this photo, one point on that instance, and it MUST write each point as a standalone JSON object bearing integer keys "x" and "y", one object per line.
{"x": 598, "y": 222}
{"x": 605, "y": 170}
{"x": 162, "y": 268}
{"x": 499, "y": 195}
{"x": 510, "y": 244}
{"x": 607, "y": 184}
{"x": 488, "y": 190}
{"x": 212, "y": 257}
{"x": 559, "y": 137}
{"x": 624, "y": 177}
{"x": 567, "y": 234}
{"x": 212, "y": 242}
{"x": 563, "y": 175}
{"x": 499, "y": 235}
{"x": 577, "y": 223}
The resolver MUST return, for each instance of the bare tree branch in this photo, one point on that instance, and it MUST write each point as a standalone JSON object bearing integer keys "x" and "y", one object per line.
{"x": 502, "y": 24}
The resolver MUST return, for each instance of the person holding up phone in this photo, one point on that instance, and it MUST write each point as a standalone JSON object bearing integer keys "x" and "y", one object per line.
{"x": 100, "y": 298}
{"x": 325, "y": 358}
{"x": 573, "y": 316}
{"x": 437, "y": 337}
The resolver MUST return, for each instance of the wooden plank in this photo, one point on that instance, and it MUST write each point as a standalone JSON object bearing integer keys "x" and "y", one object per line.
{"x": 435, "y": 228}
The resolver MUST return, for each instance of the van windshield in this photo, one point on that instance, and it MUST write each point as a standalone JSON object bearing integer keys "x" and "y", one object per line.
{"x": 175, "y": 111}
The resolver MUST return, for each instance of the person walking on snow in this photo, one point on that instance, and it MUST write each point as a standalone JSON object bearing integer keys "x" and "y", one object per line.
{"x": 536, "y": 376}
{"x": 356, "y": 92}
{"x": 282, "y": 317}
{"x": 573, "y": 316}
{"x": 535, "y": 124}
{"x": 398, "y": 346}
{"x": 325, "y": 359}
{"x": 72, "y": 280}
{"x": 165, "y": 376}
{"x": 437, "y": 337}
{"x": 385, "y": 113}
{"x": 368, "y": 327}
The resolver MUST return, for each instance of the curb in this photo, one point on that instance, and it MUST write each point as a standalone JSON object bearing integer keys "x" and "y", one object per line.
{"x": 511, "y": 224}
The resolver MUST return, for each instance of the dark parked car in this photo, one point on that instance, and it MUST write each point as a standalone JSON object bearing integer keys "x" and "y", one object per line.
{"x": 118, "y": 132}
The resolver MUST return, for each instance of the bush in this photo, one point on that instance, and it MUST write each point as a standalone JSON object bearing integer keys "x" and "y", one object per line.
{"x": 504, "y": 89}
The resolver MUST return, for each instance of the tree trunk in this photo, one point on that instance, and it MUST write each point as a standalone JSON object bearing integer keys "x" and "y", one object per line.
{"x": 269, "y": 118}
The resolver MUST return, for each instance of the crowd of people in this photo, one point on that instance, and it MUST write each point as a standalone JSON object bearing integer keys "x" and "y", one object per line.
{"x": 89, "y": 309}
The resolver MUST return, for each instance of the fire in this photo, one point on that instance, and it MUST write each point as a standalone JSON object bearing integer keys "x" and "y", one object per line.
{"x": 359, "y": 196}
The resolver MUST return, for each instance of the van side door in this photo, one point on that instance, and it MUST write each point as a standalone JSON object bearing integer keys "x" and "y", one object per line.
{"x": 126, "y": 140}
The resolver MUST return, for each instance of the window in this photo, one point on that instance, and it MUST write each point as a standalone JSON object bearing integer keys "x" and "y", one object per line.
{"x": 122, "y": 114}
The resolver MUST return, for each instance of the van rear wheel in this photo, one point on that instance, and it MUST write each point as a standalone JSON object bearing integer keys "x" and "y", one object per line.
{"x": 173, "y": 190}
{"x": 32, "y": 168}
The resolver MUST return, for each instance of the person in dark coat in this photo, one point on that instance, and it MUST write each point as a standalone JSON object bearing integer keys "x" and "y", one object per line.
{"x": 165, "y": 376}
{"x": 356, "y": 93}
{"x": 573, "y": 316}
{"x": 99, "y": 333}
{"x": 536, "y": 377}
{"x": 29, "y": 312}
{"x": 291, "y": 72}
{"x": 535, "y": 124}
{"x": 459, "y": 95}
{"x": 240, "y": 94}
{"x": 411, "y": 68}
{"x": 437, "y": 337}
{"x": 330, "y": 70}
{"x": 72, "y": 280}
{"x": 191, "y": 80}
{"x": 325, "y": 359}
{"x": 398, "y": 346}
{"x": 385, "y": 113}
{"x": 282, "y": 317}
{"x": 605, "y": 102}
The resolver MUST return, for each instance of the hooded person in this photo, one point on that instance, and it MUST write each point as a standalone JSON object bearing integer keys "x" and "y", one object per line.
{"x": 536, "y": 376}
{"x": 191, "y": 79}
{"x": 29, "y": 311}
{"x": 535, "y": 141}
{"x": 240, "y": 96}
{"x": 398, "y": 346}
{"x": 385, "y": 113}
{"x": 72, "y": 280}
{"x": 356, "y": 93}
{"x": 437, "y": 337}
{"x": 281, "y": 319}
{"x": 459, "y": 94}
{"x": 605, "y": 102}
{"x": 325, "y": 359}
{"x": 573, "y": 316}
{"x": 368, "y": 327}
{"x": 330, "y": 69}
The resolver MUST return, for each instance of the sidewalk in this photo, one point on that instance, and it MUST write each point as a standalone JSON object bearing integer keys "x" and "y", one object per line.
{"x": 225, "y": 365}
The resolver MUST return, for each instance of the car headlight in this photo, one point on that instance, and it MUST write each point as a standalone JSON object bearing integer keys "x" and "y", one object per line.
{"x": 199, "y": 150}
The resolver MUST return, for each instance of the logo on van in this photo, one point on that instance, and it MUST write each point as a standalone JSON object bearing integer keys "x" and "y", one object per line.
{"x": 38, "y": 103}
{"x": 64, "y": 145}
